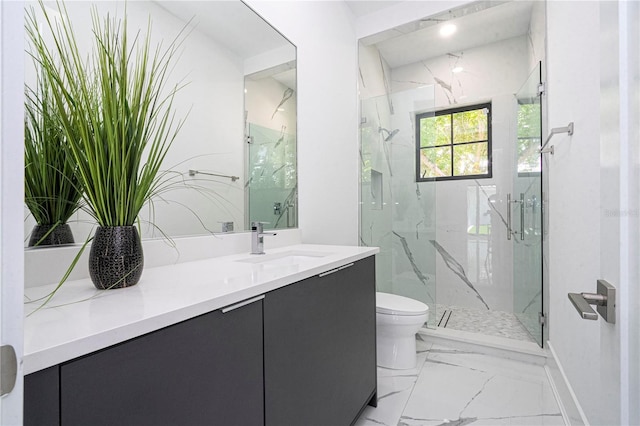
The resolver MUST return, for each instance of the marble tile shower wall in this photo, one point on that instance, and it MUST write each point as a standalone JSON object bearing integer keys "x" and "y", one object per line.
{"x": 398, "y": 218}
{"x": 424, "y": 229}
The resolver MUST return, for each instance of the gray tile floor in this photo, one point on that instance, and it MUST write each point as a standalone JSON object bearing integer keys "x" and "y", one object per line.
{"x": 492, "y": 323}
{"x": 455, "y": 388}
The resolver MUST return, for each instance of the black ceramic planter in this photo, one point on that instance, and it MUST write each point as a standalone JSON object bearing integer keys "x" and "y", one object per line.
{"x": 61, "y": 234}
{"x": 116, "y": 258}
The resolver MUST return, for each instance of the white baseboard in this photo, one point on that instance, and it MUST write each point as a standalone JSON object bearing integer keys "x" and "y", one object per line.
{"x": 570, "y": 408}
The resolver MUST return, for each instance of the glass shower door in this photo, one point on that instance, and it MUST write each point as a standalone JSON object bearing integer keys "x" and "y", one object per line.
{"x": 525, "y": 208}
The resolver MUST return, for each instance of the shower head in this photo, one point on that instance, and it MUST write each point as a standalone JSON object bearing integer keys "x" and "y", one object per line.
{"x": 389, "y": 134}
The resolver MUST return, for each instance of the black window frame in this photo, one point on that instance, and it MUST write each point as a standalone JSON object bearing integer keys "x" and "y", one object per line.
{"x": 450, "y": 112}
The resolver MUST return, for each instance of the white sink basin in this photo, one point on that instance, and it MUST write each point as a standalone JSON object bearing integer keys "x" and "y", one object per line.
{"x": 284, "y": 258}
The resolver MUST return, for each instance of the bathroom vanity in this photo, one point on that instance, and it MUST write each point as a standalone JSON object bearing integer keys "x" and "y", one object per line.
{"x": 284, "y": 338}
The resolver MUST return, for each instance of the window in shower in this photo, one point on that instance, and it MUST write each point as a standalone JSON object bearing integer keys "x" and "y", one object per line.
{"x": 454, "y": 143}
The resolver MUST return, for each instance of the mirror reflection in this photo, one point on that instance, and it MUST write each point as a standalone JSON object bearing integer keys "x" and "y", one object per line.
{"x": 234, "y": 159}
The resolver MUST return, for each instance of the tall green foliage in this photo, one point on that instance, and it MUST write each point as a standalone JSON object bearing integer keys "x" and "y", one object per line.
{"x": 51, "y": 187}
{"x": 115, "y": 109}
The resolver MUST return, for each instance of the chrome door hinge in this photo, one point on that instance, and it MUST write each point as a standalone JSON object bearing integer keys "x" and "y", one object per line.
{"x": 541, "y": 89}
{"x": 542, "y": 319}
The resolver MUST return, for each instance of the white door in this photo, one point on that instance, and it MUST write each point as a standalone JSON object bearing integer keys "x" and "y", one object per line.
{"x": 11, "y": 205}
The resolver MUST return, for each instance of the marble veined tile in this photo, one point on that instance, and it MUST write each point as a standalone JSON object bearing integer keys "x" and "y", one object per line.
{"x": 394, "y": 390}
{"x": 452, "y": 387}
{"x": 461, "y": 387}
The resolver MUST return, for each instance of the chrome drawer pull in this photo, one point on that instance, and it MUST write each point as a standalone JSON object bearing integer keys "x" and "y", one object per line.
{"x": 241, "y": 304}
{"x": 324, "y": 274}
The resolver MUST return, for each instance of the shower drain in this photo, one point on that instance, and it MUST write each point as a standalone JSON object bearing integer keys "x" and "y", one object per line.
{"x": 446, "y": 315}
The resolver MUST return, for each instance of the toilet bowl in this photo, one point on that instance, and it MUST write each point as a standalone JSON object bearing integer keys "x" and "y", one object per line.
{"x": 398, "y": 319}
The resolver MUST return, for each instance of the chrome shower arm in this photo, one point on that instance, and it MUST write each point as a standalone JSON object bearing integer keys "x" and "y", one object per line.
{"x": 567, "y": 129}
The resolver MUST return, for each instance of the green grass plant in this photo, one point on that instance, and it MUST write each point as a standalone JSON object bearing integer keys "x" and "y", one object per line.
{"x": 51, "y": 186}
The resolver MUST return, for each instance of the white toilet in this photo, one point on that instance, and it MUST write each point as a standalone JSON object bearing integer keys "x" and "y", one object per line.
{"x": 398, "y": 319}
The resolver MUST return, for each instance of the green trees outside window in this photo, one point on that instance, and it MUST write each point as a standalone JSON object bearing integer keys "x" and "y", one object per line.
{"x": 529, "y": 138}
{"x": 454, "y": 143}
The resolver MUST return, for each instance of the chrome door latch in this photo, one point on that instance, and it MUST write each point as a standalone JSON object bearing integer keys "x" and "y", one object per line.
{"x": 8, "y": 369}
{"x": 604, "y": 299}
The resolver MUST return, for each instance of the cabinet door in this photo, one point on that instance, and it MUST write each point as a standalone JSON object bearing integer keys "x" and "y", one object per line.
{"x": 204, "y": 371}
{"x": 42, "y": 397}
{"x": 320, "y": 366}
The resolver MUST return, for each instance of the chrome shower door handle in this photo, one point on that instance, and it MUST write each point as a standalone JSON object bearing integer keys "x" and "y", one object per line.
{"x": 521, "y": 216}
{"x": 509, "y": 216}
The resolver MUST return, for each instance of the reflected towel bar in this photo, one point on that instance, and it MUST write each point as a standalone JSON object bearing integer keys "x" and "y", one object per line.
{"x": 198, "y": 172}
{"x": 568, "y": 129}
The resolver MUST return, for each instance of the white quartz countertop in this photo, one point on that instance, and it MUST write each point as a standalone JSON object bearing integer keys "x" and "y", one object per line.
{"x": 80, "y": 319}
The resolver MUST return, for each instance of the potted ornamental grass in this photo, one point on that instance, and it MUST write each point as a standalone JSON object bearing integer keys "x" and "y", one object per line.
{"x": 115, "y": 107}
{"x": 51, "y": 187}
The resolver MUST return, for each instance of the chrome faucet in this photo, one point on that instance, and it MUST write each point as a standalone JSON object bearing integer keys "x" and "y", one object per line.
{"x": 257, "y": 237}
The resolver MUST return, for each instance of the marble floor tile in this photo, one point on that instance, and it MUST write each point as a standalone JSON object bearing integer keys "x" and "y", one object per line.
{"x": 457, "y": 388}
{"x": 394, "y": 390}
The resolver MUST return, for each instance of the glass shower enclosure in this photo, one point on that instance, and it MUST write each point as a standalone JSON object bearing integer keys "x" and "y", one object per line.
{"x": 396, "y": 213}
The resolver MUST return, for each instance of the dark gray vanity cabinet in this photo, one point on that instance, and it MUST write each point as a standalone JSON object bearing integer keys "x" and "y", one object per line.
{"x": 304, "y": 355}
{"x": 42, "y": 397}
{"x": 320, "y": 355}
{"x": 204, "y": 371}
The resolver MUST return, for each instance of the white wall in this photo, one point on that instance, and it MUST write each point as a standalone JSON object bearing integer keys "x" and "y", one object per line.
{"x": 583, "y": 347}
{"x": 324, "y": 34}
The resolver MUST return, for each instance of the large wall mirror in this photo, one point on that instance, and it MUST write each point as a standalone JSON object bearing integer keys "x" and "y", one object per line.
{"x": 235, "y": 156}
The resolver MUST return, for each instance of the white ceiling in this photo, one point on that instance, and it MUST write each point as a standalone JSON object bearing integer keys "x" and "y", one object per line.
{"x": 421, "y": 40}
{"x": 231, "y": 23}
{"x": 365, "y": 7}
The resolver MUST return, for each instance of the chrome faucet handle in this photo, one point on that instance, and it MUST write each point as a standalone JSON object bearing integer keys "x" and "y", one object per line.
{"x": 259, "y": 228}
{"x": 257, "y": 237}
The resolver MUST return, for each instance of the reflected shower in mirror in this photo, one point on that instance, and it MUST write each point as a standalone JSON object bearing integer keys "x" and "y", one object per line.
{"x": 218, "y": 185}
{"x": 272, "y": 185}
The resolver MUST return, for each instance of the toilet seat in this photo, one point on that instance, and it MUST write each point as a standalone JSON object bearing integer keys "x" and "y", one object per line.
{"x": 392, "y": 304}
